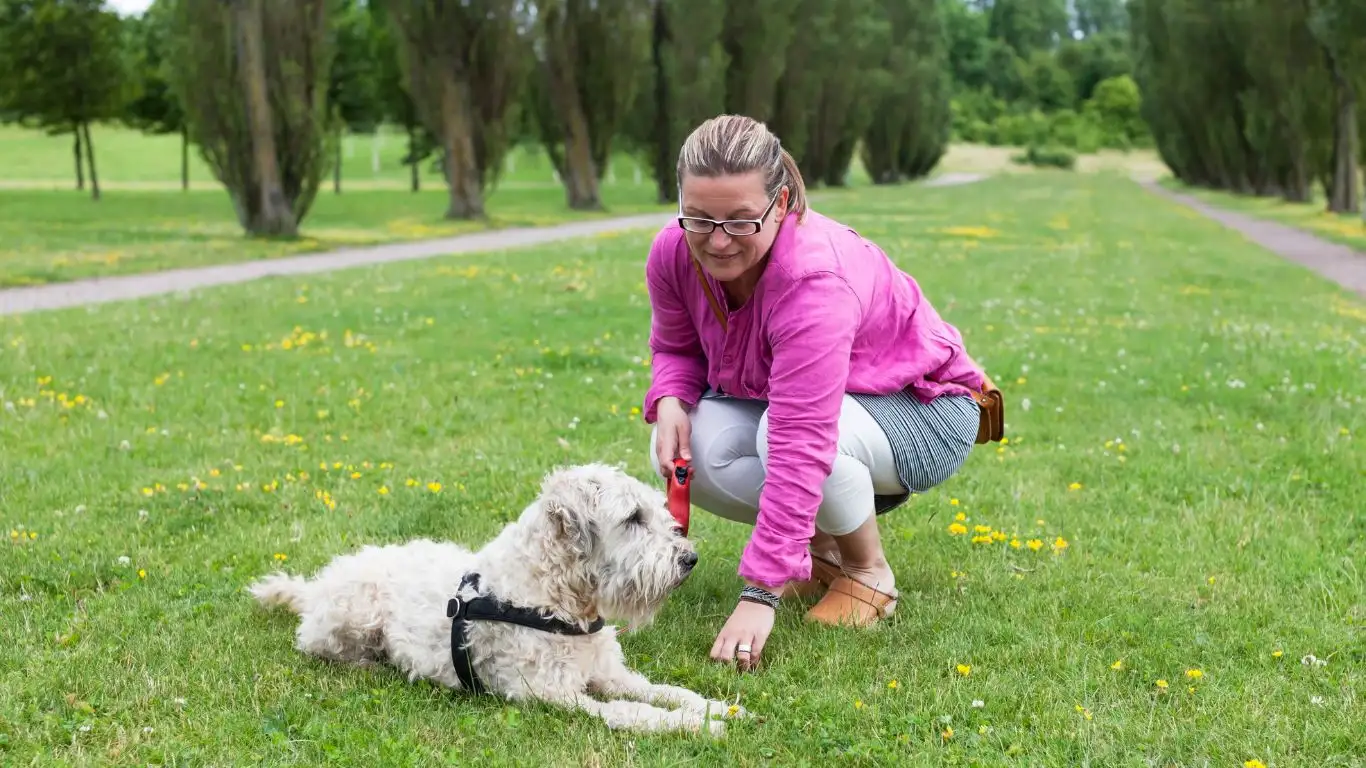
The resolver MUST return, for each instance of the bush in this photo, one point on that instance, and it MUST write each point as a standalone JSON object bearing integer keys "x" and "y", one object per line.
{"x": 1047, "y": 157}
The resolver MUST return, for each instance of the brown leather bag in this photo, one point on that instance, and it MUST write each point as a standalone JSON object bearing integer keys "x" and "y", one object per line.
{"x": 993, "y": 424}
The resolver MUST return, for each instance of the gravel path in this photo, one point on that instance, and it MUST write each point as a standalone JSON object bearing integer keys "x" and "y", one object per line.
{"x": 124, "y": 287}
{"x": 1339, "y": 263}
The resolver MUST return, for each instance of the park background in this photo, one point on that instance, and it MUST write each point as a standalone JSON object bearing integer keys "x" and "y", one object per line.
{"x": 1160, "y": 565}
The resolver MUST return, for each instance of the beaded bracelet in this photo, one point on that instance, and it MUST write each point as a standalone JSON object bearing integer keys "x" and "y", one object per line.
{"x": 761, "y": 596}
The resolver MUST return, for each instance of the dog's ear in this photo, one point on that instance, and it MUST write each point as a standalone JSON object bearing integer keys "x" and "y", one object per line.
{"x": 567, "y": 504}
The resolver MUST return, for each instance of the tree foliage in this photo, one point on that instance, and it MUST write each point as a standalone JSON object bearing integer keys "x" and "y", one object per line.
{"x": 62, "y": 68}
{"x": 465, "y": 65}
{"x": 253, "y": 78}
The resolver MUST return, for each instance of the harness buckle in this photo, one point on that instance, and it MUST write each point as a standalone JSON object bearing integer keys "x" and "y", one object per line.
{"x": 454, "y": 607}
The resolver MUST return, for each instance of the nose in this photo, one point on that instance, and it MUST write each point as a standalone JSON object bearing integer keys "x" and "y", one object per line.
{"x": 687, "y": 560}
{"x": 719, "y": 238}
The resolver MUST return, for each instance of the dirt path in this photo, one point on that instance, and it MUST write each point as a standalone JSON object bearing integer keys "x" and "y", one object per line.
{"x": 1339, "y": 263}
{"x": 124, "y": 287}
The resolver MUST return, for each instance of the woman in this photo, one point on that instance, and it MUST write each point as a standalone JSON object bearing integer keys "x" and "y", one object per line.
{"x": 806, "y": 379}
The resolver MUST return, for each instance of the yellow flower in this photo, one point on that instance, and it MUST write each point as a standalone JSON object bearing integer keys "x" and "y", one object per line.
{"x": 1059, "y": 544}
{"x": 960, "y": 517}
{"x": 279, "y": 403}
{"x": 142, "y": 574}
{"x": 355, "y": 475}
{"x": 1194, "y": 674}
{"x": 281, "y": 556}
{"x": 384, "y": 490}
{"x": 434, "y": 487}
{"x": 953, "y": 502}
{"x": 1276, "y": 654}
{"x": 893, "y": 685}
{"x": 955, "y": 529}
{"x": 1015, "y": 544}
{"x": 947, "y": 733}
{"x": 1034, "y": 544}
{"x": 1253, "y": 763}
{"x": 732, "y": 709}
{"x": 858, "y": 704}
{"x": 981, "y": 528}
{"x": 1074, "y": 487}
{"x": 1162, "y": 685}
{"x": 1118, "y": 665}
{"x": 964, "y": 669}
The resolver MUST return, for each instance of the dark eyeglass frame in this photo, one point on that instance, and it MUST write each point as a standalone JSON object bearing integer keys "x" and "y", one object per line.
{"x": 726, "y": 224}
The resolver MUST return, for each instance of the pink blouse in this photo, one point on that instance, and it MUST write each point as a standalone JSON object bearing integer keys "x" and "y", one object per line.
{"x": 831, "y": 314}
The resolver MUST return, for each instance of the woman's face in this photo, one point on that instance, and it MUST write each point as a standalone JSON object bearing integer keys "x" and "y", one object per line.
{"x": 728, "y": 198}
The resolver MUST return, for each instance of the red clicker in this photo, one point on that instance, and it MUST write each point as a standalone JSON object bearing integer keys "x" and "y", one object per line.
{"x": 680, "y": 503}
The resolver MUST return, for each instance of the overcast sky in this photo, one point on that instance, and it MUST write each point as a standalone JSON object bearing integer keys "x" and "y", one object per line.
{"x": 129, "y": 6}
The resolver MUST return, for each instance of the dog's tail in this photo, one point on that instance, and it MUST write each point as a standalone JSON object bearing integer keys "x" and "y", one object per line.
{"x": 280, "y": 589}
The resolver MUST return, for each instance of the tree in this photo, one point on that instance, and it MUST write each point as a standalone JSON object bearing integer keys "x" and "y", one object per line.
{"x": 62, "y": 67}
{"x": 757, "y": 34}
{"x": 393, "y": 92}
{"x": 155, "y": 109}
{"x": 253, "y": 76}
{"x": 353, "y": 86}
{"x": 465, "y": 64}
{"x": 685, "y": 84}
{"x": 911, "y": 122}
{"x": 581, "y": 94}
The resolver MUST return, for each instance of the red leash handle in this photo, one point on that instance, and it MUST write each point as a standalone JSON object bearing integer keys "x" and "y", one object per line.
{"x": 680, "y": 489}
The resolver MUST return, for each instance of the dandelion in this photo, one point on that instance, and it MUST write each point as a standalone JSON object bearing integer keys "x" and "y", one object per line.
{"x": 947, "y": 733}
{"x": 1059, "y": 544}
{"x": 1253, "y": 763}
{"x": 953, "y": 502}
{"x": 964, "y": 669}
{"x": 732, "y": 710}
{"x": 1162, "y": 685}
{"x": 142, "y": 573}
{"x": 1276, "y": 654}
{"x": 1074, "y": 487}
{"x": 858, "y": 704}
{"x": 280, "y": 556}
{"x": 1034, "y": 544}
{"x": 960, "y": 517}
{"x": 893, "y": 685}
{"x": 1194, "y": 673}
{"x": 383, "y": 490}
{"x": 957, "y": 529}
{"x": 1083, "y": 711}
{"x": 434, "y": 487}
{"x": 1118, "y": 665}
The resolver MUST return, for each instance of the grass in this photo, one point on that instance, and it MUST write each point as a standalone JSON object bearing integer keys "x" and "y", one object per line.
{"x": 1347, "y": 229}
{"x": 1184, "y": 415}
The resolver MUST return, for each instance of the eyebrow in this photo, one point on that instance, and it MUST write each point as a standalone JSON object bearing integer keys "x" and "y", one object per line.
{"x": 738, "y": 213}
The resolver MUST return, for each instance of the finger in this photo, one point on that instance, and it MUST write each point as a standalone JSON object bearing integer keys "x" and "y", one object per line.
{"x": 718, "y": 648}
{"x": 757, "y": 650}
{"x": 685, "y": 439}
{"x": 746, "y": 660}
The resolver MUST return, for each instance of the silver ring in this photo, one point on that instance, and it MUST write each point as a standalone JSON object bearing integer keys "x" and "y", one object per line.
{"x": 742, "y": 648}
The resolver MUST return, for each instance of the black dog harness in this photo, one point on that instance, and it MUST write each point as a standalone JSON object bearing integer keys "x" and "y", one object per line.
{"x": 489, "y": 608}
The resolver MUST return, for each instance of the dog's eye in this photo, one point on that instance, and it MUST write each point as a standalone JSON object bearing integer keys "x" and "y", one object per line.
{"x": 637, "y": 518}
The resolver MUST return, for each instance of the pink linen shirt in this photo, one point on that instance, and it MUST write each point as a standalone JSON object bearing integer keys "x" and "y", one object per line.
{"x": 831, "y": 314}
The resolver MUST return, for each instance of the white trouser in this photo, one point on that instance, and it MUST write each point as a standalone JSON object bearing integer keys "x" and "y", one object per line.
{"x": 730, "y": 454}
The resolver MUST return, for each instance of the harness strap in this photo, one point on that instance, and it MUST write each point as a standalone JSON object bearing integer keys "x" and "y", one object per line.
{"x": 490, "y": 608}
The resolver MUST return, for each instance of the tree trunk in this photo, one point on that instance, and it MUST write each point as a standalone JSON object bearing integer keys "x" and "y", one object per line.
{"x": 462, "y": 173}
{"x": 272, "y": 215}
{"x": 90, "y": 161}
{"x": 184, "y": 158}
{"x": 76, "y": 150}
{"x": 1344, "y": 197}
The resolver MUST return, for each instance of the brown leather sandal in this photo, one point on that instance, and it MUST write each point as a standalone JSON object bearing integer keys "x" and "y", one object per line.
{"x": 823, "y": 574}
{"x": 850, "y": 602}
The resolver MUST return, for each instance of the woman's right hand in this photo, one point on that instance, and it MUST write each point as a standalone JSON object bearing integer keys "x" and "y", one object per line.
{"x": 673, "y": 430}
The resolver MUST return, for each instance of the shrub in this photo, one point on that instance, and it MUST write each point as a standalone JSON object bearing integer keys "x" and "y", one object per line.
{"x": 1047, "y": 157}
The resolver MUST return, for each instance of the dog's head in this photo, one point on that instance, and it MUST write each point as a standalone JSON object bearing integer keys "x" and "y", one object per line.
{"x": 611, "y": 542}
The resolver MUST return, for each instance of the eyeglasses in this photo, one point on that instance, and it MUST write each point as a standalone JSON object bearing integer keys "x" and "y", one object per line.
{"x": 732, "y": 227}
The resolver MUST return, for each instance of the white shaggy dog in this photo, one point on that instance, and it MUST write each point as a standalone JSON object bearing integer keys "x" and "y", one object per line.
{"x": 595, "y": 543}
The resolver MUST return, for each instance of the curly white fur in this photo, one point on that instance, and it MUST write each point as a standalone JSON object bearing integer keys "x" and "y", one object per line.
{"x": 595, "y": 542}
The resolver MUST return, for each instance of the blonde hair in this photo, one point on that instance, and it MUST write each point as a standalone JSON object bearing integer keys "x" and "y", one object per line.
{"x": 735, "y": 144}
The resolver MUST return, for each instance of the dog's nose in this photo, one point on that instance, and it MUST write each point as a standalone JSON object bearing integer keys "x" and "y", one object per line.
{"x": 688, "y": 560}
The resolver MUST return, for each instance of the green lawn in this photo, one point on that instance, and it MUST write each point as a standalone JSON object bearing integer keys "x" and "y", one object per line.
{"x": 1184, "y": 415}
{"x": 1348, "y": 229}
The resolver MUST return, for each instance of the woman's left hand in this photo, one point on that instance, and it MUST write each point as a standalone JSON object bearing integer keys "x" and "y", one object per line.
{"x": 749, "y": 625}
